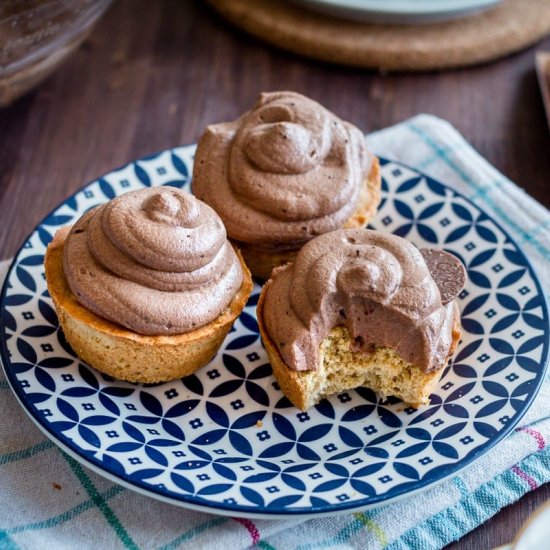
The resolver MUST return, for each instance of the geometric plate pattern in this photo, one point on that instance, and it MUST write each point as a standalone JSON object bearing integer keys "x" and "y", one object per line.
{"x": 225, "y": 439}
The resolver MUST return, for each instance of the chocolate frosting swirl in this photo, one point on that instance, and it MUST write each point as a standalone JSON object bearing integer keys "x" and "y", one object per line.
{"x": 378, "y": 285}
{"x": 286, "y": 170}
{"x": 156, "y": 261}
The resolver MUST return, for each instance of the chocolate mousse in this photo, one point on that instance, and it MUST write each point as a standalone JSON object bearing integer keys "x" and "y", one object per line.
{"x": 156, "y": 261}
{"x": 284, "y": 172}
{"x": 379, "y": 286}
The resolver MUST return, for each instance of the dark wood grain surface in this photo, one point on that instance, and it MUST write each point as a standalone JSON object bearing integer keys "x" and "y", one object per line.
{"x": 154, "y": 73}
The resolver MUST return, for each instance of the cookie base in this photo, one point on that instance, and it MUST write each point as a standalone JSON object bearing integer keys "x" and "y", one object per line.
{"x": 124, "y": 354}
{"x": 341, "y": 369}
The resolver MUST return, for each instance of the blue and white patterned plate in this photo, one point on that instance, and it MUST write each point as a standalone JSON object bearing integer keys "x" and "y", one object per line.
{"x": 226, "y": 440}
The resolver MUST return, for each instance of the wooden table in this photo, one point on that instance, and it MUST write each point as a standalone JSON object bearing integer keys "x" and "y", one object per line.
{"x": 153, "y": 74}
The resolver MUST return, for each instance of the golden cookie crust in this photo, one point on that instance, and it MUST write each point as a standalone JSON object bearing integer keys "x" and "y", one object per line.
{"x": 383, "y": 371}
{"x": 124, "y": 354}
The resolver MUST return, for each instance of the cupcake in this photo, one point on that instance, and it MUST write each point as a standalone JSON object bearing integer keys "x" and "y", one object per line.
{"x": 361, "y": 308}
{"x": 281, "y": 174}
{"x": 147, "y": 286}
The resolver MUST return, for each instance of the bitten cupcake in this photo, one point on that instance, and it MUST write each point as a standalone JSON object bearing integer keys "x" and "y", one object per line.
{"x": 284, "y": 172}
{"x": 147, "y": 286}
{"x": 361, "y": 308}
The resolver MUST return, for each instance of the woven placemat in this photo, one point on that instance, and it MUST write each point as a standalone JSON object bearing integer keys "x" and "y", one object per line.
{"x": 511, "y": 26}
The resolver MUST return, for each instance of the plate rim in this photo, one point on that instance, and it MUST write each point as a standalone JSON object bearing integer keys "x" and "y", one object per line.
{"x": 221, "y": 508}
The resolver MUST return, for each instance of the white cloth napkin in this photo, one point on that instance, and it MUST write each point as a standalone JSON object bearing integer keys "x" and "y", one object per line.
{"x": 47, "y": 499}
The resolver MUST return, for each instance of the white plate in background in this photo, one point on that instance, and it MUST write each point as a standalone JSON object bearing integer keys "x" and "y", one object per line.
{"x": 400, "y": 11}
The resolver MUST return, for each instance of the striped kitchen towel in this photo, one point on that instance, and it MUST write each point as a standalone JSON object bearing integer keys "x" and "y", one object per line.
{"x": 47, "y": 499}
